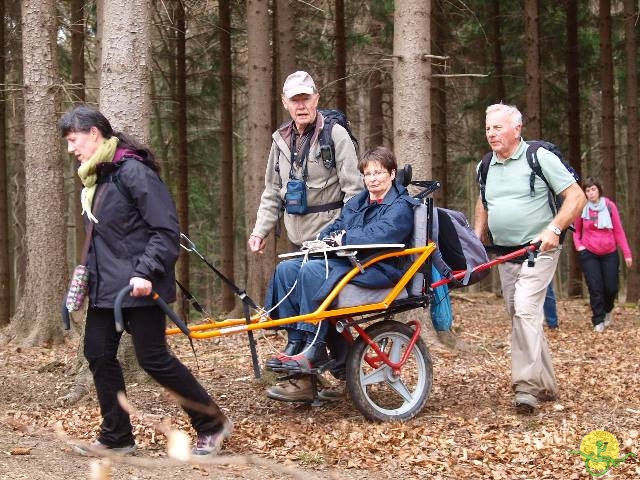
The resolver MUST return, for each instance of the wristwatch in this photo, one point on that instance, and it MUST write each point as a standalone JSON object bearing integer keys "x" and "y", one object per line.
{"x": 554, "y": 229}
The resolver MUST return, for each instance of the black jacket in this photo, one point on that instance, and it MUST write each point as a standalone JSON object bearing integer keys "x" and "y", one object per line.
{"x": 137, "y": 234}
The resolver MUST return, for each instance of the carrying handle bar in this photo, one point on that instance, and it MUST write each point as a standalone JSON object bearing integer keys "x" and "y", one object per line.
{"x": 529, "y": 250}
{"x": 117, "y": 310}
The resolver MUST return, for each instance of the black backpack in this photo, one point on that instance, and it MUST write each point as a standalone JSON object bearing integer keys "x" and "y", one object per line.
{"x": 555, "y": 200}
{"x": 327, "y": 148}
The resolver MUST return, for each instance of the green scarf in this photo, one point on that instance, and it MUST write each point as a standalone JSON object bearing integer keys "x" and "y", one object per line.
{"x": 88, "y": 173}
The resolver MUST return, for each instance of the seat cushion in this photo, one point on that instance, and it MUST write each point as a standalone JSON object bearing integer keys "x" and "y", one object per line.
{"x": 352, "y": 295}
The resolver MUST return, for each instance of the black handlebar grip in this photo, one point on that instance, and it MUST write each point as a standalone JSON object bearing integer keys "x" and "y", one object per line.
{"x": 66, "y": 319}
{"x": 117, "y": 310}
{"x": 117, "y": 307}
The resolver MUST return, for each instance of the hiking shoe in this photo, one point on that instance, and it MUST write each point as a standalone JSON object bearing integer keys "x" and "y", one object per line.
{"x": 525, "y": 403}
{"x": 333, "y": 393}
{"x": 294, "y": 390}
{"x": 211, "y": 443}
{"x": 608, "y": 318}
{"x": 599, "y": 328}
{"x": 96, "y": 447}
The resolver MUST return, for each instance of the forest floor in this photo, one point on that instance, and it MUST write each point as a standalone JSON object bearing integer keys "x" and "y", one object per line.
{"x": 468, "y": 429}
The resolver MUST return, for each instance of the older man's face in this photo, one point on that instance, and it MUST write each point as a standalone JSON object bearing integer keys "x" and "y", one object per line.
{"x": 502, "y": 134}
{"x": 302, "y": 108}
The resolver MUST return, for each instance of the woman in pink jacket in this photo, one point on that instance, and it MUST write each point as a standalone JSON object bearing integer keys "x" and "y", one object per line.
{"x": 598, "y": 235}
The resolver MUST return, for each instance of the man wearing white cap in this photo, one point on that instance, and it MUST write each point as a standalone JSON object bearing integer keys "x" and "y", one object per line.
{"x": 317, "y": 189}
{"x": 326, "y": 188}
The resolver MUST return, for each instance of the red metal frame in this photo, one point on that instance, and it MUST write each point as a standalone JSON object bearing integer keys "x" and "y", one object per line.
{"x": 374, "y": 362}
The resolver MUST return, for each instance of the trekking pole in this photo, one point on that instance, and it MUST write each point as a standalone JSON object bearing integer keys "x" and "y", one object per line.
{"x": 247, "y": 301}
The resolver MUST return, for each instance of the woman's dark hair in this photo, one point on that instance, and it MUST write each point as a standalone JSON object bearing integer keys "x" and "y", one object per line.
{"x": 593, "y": 181}
{"x": 382, "y": 155}
{"x": 82, "y": 117}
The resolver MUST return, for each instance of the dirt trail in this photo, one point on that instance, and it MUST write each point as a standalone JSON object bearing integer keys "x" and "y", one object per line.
{"x": 467, "y": 430}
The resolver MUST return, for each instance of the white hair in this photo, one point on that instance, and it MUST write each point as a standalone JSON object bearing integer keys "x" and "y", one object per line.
{"x": 512, "y": 111}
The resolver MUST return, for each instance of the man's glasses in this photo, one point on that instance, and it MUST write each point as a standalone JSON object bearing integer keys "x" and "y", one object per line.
{"x": 375, "y": 174}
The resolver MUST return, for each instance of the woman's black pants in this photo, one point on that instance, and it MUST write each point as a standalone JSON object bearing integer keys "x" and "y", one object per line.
{"x": 147, "y": 328}
{"x": 601, "y": 275}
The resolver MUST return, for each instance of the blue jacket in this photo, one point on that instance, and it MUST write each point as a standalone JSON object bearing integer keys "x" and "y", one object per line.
{"x": 365, "y": 223}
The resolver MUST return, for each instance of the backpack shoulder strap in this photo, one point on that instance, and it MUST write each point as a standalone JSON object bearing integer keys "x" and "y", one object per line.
{"x": 327, "y": 147}
{"x": 534, "y": 165}
{"x": 482, "y": 176}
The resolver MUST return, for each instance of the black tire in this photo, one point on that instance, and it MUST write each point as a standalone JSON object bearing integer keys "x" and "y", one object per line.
{"x": 376, "y": 392}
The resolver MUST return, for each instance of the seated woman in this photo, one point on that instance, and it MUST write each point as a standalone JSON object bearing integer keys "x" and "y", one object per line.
{"x": 383, "y": 213}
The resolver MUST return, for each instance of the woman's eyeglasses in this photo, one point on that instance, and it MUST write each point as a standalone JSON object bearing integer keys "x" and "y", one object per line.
{"x": 375, "y": 174}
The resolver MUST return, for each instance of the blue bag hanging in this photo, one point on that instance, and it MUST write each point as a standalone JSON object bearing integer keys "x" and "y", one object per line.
{"x": 441, "y": 311}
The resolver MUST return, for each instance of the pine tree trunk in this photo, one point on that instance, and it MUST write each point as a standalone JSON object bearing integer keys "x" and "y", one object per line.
{"x": 124, "y": 70}
{"x": 78, "y": 80}
{"x": 285, "y": 43}
{"x": 439, "y": 103}
{"x": 37, "y": 318}
{"x": 15, "y": 156}
{"x": 532, "y": 69}
{"x": 498, "y": 61}
{"x": 341, "y": 58}
{"x": 607, "y": 148}
{"x": 225, "y": 174}
{"x": 375, "y": 136}
{"x": 632, "y": 224}
{"x": 259, "y": 84}
{"x": 573, "y": 120}
{"x": 5, "y": 276}
{"x": 411, "y": 85}
{"x": 182, "y": 197}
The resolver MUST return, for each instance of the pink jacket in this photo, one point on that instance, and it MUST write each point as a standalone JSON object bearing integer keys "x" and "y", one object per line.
{"x": 601, "y": 241}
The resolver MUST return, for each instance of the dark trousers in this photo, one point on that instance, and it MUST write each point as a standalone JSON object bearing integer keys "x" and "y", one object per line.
{"x": 549, "y": 307}
{"x": 147, "y": 328}
{"x": 339, "y": 350}
{"x": 601, "y": 275}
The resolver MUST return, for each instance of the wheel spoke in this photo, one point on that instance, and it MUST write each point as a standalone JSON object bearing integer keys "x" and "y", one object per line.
{"x": 401, "y": 389}
{"x": 377, "y": 376}
{"x": 395, "y": 353}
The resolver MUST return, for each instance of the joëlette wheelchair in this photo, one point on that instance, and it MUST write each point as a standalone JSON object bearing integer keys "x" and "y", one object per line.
{"x": 389, "y": 369}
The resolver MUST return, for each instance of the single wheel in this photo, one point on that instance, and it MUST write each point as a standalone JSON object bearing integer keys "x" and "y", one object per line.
{"x": 376, "y": 391}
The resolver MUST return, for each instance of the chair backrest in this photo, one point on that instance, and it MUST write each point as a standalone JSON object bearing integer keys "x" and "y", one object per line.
{"x": 420, "y": 217}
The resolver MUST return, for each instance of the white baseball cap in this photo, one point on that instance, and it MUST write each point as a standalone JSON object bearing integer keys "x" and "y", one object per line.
{"x": 297, "y": 83}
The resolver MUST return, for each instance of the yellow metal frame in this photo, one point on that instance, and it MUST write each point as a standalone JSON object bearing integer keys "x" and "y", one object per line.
{"x": 235, "y": 325}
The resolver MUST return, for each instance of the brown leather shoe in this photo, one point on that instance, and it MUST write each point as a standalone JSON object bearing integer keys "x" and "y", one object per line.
{"x": 293, "y": 390}
{"x": 333, "y": 393}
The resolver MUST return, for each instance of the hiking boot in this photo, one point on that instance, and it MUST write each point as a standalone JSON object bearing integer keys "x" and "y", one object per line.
{"x": 608, "y": 318}
{"x": 525, "y": 403}
{"x": 333, "y": 393}
{"x": 292, "y": 348}
{"x": 599, "y": 328}
{"x": 97, "y": 447}
{"x": 312, "y": 356}
{"x": 293, "y": 390}
{"x": 211, "y": 443}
